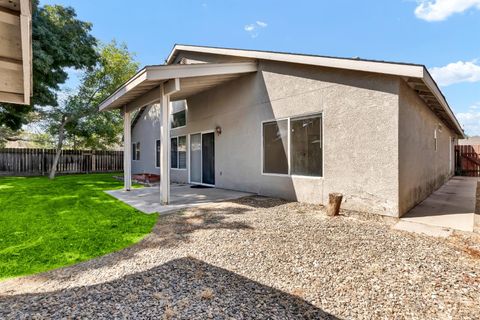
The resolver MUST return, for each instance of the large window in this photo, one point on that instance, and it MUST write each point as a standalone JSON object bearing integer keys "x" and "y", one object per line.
{"x": 178, "y": 156}
{"x": 293, "y": 146}
{"x": 136, "y": 151}
{"x": 306, "y": 146}
{"x": 179, "y": 119}
{"x": 275, "y": 147}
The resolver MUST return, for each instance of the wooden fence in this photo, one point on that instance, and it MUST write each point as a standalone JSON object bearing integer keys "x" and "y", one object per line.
{"x": 31, "y": 162}
{"x": 467, "y": 160}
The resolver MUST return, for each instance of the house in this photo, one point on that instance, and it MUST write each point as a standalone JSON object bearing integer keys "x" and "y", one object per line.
{"x": 292, "y": 126}
{"x": 15, "y": 51}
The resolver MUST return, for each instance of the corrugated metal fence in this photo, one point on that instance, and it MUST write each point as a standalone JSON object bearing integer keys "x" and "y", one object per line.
{"x": 31, "y": 162}
{"x": 467, "y": 160}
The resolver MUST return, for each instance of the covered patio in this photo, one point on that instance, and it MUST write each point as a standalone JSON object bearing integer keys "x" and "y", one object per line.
{"x": 181, "y": 196}
{"x": 163, "y": 84}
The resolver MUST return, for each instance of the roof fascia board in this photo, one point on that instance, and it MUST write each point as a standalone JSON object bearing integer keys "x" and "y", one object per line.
{"x": 198, "y": 70}
{"x": 432, "y": 86}
{"x": 132, "y": 83}
{"x": 152, "y": 96}
{"x": 167, "y": 72}
{"x": 26, "y": 39}
{"x": 413, "y": 71}
{"x": 358, "y": 65}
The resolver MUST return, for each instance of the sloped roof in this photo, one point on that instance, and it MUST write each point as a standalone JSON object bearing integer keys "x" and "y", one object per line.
{"x": 416, "y": 75}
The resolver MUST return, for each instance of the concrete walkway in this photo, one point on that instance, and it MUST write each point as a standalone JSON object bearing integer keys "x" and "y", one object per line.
{"x": 182, "y": 196}
{"x": 452, "y": 206}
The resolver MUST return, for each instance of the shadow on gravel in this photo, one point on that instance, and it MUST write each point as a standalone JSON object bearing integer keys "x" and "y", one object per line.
{"x": 184, "y": 288}
{"x": 171, "y": 231}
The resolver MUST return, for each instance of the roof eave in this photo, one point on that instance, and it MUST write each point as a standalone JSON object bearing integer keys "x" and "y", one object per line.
{"x": 396, "y": 69}
{"x": 432, "y": 85}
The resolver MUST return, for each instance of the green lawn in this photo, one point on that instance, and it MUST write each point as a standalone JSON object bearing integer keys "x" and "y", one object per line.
{"x": 48, "y": 224}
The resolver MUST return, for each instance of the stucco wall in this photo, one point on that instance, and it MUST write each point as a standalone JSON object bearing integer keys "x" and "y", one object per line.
{"x": 422, "y": 169}
{"x": 377, "y": 135}
{"x": 147, "y": 130}
{"x": 360, "y": 141}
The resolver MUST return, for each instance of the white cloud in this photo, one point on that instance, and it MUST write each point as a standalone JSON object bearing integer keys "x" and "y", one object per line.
{"x": 254, "y": 28}
{"x": 438, "y": 10}
{"x": 470, "y": 121}
{"x": 262, "y": 24}
{"x": 456, "y": 72}
{"x": 249, "y": 27}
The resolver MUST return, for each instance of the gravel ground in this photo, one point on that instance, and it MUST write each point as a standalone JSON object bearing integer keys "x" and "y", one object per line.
{"x": 263, "y": 258}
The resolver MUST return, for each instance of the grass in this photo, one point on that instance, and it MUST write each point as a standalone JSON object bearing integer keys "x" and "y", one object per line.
{"x": 45, "y": 224}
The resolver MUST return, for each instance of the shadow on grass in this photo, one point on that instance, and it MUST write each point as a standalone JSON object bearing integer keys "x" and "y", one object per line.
{"x": 184, "y": 288}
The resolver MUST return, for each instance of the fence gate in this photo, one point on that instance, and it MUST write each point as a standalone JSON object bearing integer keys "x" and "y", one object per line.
{"x": 26, "y": 162}
{"x": 467, "y": 160}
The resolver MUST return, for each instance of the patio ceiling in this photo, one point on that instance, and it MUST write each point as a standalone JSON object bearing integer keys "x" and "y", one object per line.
{"x": 189, "y": 80}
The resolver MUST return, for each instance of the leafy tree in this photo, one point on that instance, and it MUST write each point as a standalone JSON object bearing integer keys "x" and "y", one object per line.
{"x": 77, "y": 115}
{"x": 59, "y": 41}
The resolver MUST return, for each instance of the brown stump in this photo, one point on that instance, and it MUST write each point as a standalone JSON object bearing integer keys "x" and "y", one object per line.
{"x": 334, "y": 201}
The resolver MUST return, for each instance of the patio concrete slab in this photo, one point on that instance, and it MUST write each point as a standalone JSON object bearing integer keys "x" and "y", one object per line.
{"x": 451, "y": 206}
{"x": 182, "y": 196}
{"x": 421, "y": 228}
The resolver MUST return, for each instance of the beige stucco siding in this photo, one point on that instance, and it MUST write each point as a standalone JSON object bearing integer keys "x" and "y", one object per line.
{"x": 146, "y": 131}
{"x": 378, "y": 135}
{"x": 422, "y": 169}
{"x": 360, "y": 124}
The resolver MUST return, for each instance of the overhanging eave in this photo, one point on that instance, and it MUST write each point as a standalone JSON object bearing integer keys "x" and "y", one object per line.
{"x": 193, "y": 79}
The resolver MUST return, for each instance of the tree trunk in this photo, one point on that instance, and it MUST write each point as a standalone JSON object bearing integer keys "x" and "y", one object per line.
{"x": 61, "y": 136}
{"x": 334, "y": 201}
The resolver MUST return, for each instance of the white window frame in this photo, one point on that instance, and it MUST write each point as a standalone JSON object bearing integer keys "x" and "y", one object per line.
{"x": 289, "y": 174}
{"x": 186, "y": 119}
{"x": 178, "y": 158}
{"x": 134, "y": 154}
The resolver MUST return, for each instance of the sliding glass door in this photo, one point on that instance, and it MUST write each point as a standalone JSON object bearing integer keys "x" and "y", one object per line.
{"x": 202, "y": 158}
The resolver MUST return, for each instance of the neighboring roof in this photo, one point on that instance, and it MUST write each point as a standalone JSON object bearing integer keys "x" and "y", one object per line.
{"x": 416, "y": 75}
{"x": 15, "y": 51}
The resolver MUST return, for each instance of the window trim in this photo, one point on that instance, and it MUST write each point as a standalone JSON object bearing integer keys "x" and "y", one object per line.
{"x": 178, "y": 158}
{"x": 171, "y": 120}
{"x": 289, "y": 174}
{"x": 262, "y": 149}
{"x": 134, "y": 152}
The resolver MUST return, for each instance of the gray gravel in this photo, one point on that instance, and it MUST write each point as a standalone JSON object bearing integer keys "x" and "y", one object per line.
{"x": 266, "y": 259}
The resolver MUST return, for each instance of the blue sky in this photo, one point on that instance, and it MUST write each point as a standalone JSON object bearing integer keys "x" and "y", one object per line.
{"x": 442, "y": 34}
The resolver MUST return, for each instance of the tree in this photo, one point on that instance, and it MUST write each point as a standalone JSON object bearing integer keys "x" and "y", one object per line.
{"x": 77, "y": 115}
{"x": 59, "y": 41}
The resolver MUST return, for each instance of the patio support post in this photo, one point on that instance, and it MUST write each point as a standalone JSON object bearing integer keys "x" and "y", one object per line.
{"x": 164, "y": 147}
{"x": 127, "y": 149}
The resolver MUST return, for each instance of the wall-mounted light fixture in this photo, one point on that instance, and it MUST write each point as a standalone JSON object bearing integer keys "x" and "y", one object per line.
{"x": 218, "y": 130}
